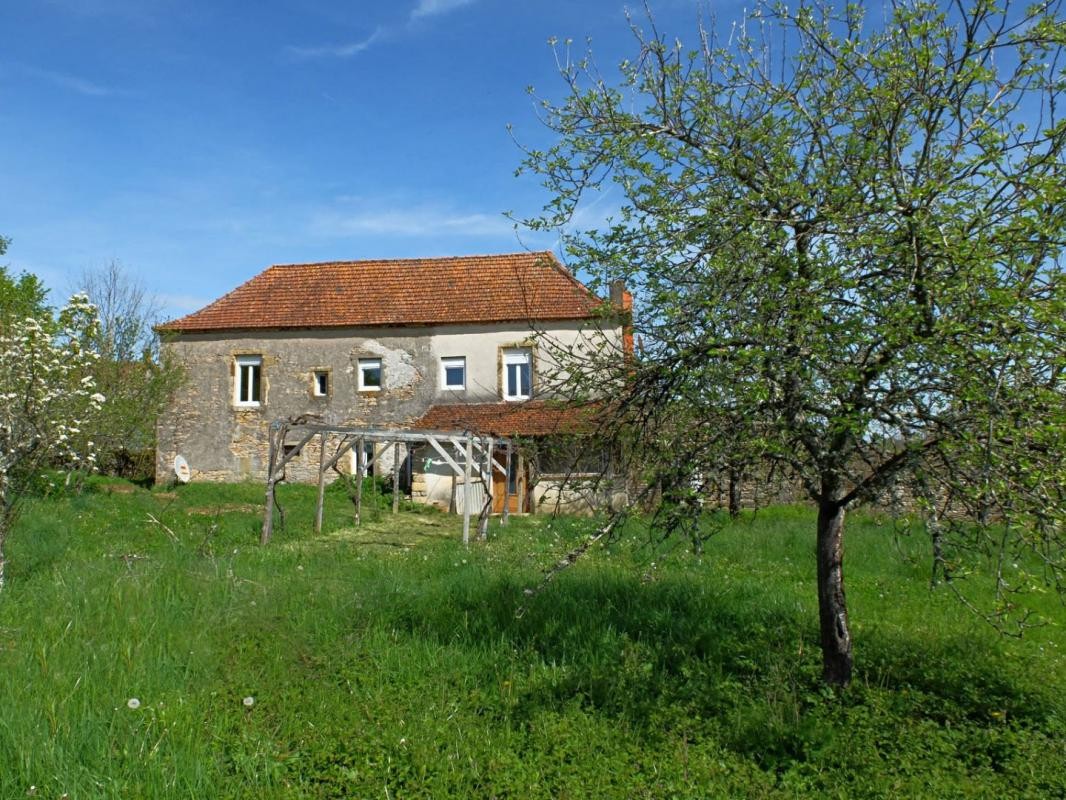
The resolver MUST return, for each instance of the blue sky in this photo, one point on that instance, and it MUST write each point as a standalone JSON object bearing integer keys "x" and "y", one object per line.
{"x": 198, "y": 142}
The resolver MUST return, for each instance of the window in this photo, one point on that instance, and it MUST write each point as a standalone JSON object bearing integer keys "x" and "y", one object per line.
{"x": 369, "y": 374}
{"x": 453, "y": 372}
{"x": 320, "y": 384}
{"x": 247, "y": 389}
{"x": 517, "y": 374}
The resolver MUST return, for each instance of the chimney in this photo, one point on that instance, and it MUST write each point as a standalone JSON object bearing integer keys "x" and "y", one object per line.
{"x": 622, "y": 301}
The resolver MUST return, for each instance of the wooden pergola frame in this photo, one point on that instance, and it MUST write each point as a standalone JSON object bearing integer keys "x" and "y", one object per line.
{"x": 471, "y": 454}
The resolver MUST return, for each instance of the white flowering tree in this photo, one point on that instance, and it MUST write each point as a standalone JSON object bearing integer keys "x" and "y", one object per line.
{"x": 47, "y": 401}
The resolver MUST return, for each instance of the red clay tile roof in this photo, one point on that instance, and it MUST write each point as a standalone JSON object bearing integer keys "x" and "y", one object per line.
{"x": 418, "y": 291}
{"x": 530, "y": 418}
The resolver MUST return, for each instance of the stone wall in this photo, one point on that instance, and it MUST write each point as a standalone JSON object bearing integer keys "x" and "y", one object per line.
{"x": 223, "y": 441}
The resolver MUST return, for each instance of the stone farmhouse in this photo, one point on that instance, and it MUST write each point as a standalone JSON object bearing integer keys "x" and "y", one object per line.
{"x": 418, "y": 344}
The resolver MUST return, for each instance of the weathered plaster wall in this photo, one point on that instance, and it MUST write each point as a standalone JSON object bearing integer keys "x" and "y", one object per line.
{"x": 222, "y": 441}
{"x": 225, "y": 442}
{"x": 482, "y": 346}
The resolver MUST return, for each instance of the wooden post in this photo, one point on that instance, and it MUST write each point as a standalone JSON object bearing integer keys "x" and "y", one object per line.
{"x": 360, "y": 466}
{"x": 486, "y": 473}
{"x": 506, "y": 516}
{"x": 321, "y": 482}
{"x": 396, "y": 478}
{"x": 521, "y": 485}
{"x": 466, "y": 488}
{"x": 268, "y": 518}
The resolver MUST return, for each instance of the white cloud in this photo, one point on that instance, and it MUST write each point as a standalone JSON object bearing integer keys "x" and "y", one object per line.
{"x": 408, "y": 222}
{"x": 335, "y": 50}
{"x": 430, "y": 8}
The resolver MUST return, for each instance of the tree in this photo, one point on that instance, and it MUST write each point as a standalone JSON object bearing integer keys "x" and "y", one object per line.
{"x": 131, "y": 372}
{"x": 21, "y": 296}
{"x": 845, "y": 237}
{"x": 47, "y": 400}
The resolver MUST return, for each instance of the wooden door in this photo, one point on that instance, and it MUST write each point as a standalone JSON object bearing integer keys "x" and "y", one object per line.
{"x": 518, "y": 480}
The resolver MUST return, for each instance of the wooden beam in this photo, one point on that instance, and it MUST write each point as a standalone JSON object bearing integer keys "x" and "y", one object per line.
{"x": 373, "y": 457}
{"x": 378, "y": 435}
{"x": 360, "y": 455}
{"x": 396, "y": 478}
{"x": 287, "y": 457}
{"x": 486, "y": 477}
{"x": 444, "y": 454}
{"x": 321, "y": 482}
{"x": 506, "y": 515}
{"x": 268, "y": 516}
{"x": 343, "y": 448}
{"x": 496, "y": 464}
{"x": 461, "y": 465}
{"x": 521, "y": 484}
{"x": 466, "y": 489}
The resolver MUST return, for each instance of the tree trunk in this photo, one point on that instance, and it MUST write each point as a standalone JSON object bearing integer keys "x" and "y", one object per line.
{"x": 5, "y": 522}
{"x": 734, "y": 492}
{"x": 832, "y": 607}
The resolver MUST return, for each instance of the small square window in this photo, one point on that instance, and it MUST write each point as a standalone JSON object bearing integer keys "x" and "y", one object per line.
{"x": 453, "y": 372}
{"x": 517, "y": 374}
{"x": 370, "y": 374}
{"x": 320, "y": 385}
{"x": 247, "y": 387}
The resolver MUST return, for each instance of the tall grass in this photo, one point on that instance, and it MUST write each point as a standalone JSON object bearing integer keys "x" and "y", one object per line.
{"x": 389, "y": 661}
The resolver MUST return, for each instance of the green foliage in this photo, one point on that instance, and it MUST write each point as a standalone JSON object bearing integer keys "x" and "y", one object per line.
{"x": 21, "y": 296}
{"x": 390, "y": 660}
{"x": 845, "y": 234}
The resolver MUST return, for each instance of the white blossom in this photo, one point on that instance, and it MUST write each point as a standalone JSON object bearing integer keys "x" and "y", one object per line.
{"x": 45, "y": 401}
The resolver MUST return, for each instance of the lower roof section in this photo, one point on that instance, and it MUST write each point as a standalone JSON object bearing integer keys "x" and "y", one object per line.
{"x": 529, "y": 418}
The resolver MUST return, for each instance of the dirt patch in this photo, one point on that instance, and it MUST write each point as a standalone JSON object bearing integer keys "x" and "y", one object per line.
{"x": 225, "y": 508}
{"x": 404, "y": 532}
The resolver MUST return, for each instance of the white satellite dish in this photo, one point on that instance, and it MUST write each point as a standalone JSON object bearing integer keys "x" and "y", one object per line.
{"x": 181, "y": 469}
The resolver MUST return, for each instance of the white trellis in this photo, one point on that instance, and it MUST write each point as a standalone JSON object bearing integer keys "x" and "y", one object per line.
{"x": 467, "y": 454}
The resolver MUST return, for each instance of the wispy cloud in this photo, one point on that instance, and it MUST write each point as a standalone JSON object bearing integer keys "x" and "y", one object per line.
{"x": 346, "y": 50}
{"x": 431, "y": 8}
{"x": 423, "y": 10}
{"x": 411, "y": 222}
{"x": 73, "y": 83}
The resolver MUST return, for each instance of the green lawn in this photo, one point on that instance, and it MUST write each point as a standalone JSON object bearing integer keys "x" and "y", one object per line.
{"x": 390, "y": 662}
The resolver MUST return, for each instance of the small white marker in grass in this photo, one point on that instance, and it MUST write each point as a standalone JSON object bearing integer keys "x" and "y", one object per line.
{"x": 248, "y": 702}
{"x": 133, "y": 703}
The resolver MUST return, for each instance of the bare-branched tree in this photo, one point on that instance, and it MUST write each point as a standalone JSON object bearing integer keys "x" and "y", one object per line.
{"x": 131, "y": 371}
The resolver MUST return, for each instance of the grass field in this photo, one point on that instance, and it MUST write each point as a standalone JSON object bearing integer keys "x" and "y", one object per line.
{"x": 390, "y": 662}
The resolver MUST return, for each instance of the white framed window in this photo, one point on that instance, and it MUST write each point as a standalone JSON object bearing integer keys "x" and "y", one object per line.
{"x": 247, "y": 386}
{"x": 517, "y": 374}
{"x": 369, "y": 374}
{"x": 453, "y": 373}
{"x": 320, "y": 383}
